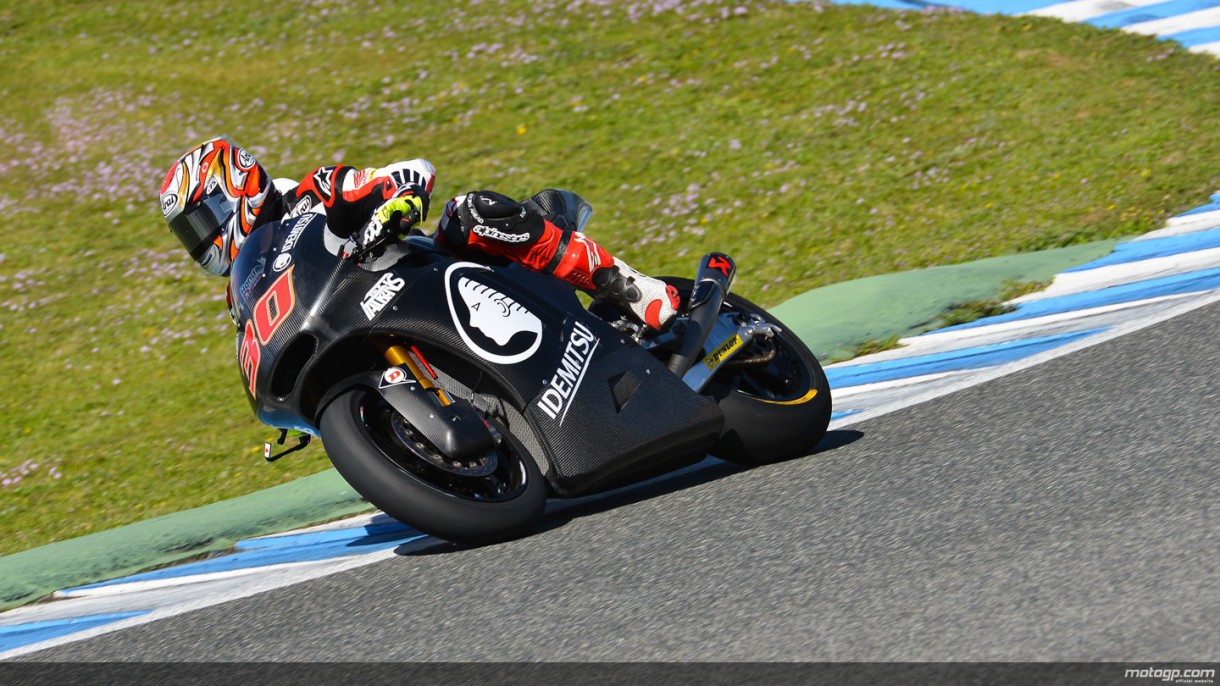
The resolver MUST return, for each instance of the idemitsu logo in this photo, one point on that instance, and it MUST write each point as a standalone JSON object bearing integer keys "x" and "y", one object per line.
{"x": 555, "y": 400}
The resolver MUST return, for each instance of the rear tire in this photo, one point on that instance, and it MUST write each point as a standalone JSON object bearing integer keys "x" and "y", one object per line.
{"x": 774, "y": 411}
{"x": 474, "y": 510}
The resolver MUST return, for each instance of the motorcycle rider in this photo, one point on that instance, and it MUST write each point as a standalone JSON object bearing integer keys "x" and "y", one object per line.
{"x": 217, "y": 193}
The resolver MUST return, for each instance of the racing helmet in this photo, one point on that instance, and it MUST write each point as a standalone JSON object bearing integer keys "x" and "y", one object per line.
{"x": 213, "y": 197}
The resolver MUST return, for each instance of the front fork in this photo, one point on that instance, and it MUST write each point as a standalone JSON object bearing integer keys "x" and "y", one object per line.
{"x": 398, "y": 356}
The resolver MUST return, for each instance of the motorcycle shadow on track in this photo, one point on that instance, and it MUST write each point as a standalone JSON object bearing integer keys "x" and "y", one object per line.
{"x": 560, "y": 512}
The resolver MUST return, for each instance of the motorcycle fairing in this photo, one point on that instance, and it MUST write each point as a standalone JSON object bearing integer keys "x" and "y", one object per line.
{"x": 303, "y": 312}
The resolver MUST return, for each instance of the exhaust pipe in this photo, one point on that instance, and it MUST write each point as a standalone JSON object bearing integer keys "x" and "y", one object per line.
{"x": 712, "y": 283}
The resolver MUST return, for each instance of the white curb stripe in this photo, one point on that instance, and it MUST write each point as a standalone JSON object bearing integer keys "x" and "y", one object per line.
{"x": 1211, "y": 48}
{"x": 1072, "y": 283}
{"x": 1083, "y": 10}
{"x": 1182, "y": 22}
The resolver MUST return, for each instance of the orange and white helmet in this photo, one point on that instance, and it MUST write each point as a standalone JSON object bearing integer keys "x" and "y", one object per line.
{"x": 213, "y": 197}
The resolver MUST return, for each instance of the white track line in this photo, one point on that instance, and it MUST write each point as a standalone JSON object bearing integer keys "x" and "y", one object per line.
{"x": 1083, "y": 10}
{"x": 1033, "y": 360}
{"x": 1084, "y": 281}
{"x": 853, "y": 391}
{"x": 1182, "y": 22}
{"x": 1210, "y": 48}
{"x": 1005, "y": 332}
{"x": 254, "y": 587}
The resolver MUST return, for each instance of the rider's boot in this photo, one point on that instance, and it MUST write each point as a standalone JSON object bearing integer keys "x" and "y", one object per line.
{"x": 586, "y": 265}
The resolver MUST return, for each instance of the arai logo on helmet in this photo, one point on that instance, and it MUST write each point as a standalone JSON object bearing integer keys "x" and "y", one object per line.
{"x": 496, "y": 327}
{"x": 168, "y": 203}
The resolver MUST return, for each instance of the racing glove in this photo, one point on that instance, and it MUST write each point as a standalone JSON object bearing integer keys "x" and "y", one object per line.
{"x": 392, "y": 221}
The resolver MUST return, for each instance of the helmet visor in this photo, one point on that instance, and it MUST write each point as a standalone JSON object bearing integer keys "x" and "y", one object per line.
{"x": 198, "y": 227}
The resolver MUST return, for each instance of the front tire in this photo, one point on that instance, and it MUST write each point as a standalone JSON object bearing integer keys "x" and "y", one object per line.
{"x": 365, "y": 447}
{"x": 773, "y": 411}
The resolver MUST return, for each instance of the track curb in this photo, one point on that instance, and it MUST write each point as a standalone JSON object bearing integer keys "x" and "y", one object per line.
{"x": 832, "y": 319}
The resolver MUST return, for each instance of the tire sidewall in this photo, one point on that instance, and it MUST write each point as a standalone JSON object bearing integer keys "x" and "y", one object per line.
{"x": 761, "y": 432}
{"x": 415, "y": 502}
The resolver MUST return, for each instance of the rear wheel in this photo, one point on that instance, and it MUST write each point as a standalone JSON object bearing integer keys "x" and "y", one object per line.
{"x": 774, "y": 394}
{"x": 491, "y": 497}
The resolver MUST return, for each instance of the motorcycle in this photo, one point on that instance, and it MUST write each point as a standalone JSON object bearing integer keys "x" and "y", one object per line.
{"x": 456, "y": 396}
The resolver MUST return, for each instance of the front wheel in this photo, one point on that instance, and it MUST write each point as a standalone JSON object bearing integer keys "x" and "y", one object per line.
{"x": 774, "y": 394}
{"x": 493, "y": 497}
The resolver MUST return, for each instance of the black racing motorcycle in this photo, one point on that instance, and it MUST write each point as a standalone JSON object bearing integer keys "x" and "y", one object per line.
{"x": 456, "y": 396}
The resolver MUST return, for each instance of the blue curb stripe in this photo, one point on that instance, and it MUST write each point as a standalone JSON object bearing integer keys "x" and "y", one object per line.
{"x": 1002, "y": 6}
{"x": 967, "y": 358}
{"x": 1134, "y": 251}
{"x": 321, "y": 537}
{"x": 276, "y": 554}
{"x": 1138, "y": 15}
{"x": 839, "y": 414}
{"x": 35, "y": 632}
{"x": 1192, "y": 282}
{"x": 891, "y": 4}
{"x": 1210, "y": 207}
{"x": 1199, "y": 36}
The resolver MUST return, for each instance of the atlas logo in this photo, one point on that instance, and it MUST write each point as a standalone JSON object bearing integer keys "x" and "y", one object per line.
{"x": 562, "y": 388}
{"x": 381, "y": 294}
{"x": 496, "y": 327}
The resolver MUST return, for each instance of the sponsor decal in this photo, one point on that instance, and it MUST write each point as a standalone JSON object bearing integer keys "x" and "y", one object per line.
{"x": 303, "y": 205}
{"x": 493, "y": 325}
{"x": 381, "y": 294}
{"x": 323, "y": 180}
{"x": 591, "y": 251}
{"x": 247, "y": 285}
{"x": 470, "y": 208}
{"x": 494, "y": 234}
{"x": 722, "y": 351}
{"x": 168, "y": 203}
{"x": 394, "y": 376}
{"x": 245, "y": 159}
{"x": 720, "y": 264}
{"x": 562, "y": 388}
{"x": 290, "y": 241}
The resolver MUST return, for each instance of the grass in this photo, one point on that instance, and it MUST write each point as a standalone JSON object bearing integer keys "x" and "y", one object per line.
{"x": 816, "y": 144}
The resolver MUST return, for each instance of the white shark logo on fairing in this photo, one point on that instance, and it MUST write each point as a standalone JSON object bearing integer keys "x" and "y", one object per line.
{"x": 493, "y": 314}
{"x": 498, "y": 316}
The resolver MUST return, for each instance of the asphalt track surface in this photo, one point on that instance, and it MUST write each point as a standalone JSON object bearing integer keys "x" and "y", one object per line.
{"x": 1063, "y": 513}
